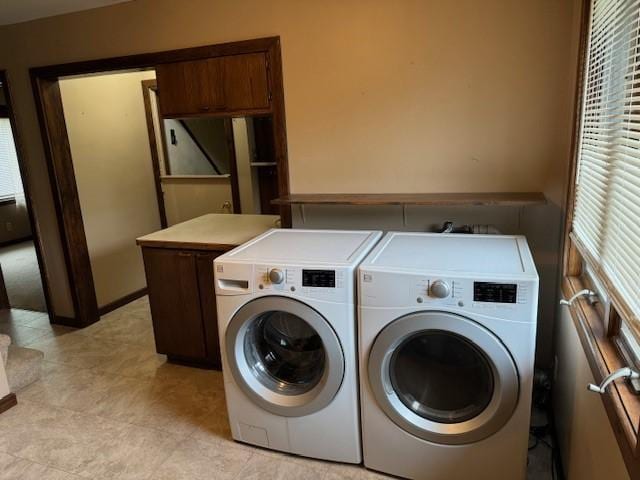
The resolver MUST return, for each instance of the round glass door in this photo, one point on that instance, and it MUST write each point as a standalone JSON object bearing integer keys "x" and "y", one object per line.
{"x": 285, "y": 352}
{"x": 443, "y": 377}
{"x": 284, "y": 355}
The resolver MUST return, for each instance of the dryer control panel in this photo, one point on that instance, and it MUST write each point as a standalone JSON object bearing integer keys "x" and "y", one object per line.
{"x": 503, "y": 297}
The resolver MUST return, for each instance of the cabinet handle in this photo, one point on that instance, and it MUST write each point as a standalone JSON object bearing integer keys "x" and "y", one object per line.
{"x": 185, "y": 254}
{"x": 204, "y": 108}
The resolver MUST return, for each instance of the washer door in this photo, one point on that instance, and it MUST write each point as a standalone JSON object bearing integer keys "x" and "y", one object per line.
{"x": 285, "y": 356}
{"x": 443, "y": 377}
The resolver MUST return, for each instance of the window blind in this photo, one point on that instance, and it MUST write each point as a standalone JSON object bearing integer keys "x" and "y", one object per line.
{"x": 9, "y": 173}
{"x": 607, "y": 202}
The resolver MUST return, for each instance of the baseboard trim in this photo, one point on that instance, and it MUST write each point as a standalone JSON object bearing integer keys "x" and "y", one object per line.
{"x": 64, "y": 321}
{"x": 109, "y": 307}
{"x": 7, "y": 402}
{"x": 15, "y": 241}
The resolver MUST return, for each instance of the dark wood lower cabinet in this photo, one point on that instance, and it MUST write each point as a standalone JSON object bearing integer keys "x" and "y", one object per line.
{"x": 183, "y": 305}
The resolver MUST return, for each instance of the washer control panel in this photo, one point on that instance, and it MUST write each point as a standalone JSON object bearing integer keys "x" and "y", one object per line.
{"x": 494, "y": 292}
{"x": 324, "y": 283}
{"x": 318, "y": 278}
{"x": 439, "y": 289}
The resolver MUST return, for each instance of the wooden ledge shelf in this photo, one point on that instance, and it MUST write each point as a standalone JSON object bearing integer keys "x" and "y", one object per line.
{"x": 516, "y": 199}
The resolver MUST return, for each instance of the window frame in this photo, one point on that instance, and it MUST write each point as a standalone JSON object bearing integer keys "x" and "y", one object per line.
{"x": 598, "y": 324}
{"x": 4, "y": 113}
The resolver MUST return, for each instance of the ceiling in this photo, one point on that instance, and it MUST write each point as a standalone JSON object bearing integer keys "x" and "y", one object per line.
{"x": 16, "y": 11}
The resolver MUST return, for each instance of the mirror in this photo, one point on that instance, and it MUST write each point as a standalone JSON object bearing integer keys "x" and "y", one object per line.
{"x": 197, "y": 146}
{"x": 239, "y": 148}
{"x": 210, "y": 163}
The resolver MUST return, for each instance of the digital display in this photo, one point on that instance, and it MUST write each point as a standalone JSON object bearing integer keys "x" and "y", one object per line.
{"x": 319, "y": 278}
{"x": 495, "y": 292}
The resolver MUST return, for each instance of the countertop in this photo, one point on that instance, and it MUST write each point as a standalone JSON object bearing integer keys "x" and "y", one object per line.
{"x": 219, "y": 232}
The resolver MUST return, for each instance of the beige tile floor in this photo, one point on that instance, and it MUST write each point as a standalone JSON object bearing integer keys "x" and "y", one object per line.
{"x": 109, "y": 407}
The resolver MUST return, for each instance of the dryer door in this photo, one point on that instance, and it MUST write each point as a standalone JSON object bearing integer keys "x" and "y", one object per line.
{"x": 284, "y": 355}
{"x": 443, "y": 377}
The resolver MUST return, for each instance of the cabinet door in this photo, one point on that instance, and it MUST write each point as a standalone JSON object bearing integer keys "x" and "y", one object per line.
{"x": 174, "y": 297}
{"x": 206, "y": 286}
{"x": 246, "y": 86}
{"x": 187, "y": 88}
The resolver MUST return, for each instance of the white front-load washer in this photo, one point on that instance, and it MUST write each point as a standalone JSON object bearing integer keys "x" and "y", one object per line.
{"x": 287, "y": 324}
{"x": 447, "y": 327}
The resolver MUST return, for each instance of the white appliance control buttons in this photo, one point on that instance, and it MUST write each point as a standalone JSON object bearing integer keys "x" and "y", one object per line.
{"x": 439, "y": 289}
{"x": 276, "y": 276}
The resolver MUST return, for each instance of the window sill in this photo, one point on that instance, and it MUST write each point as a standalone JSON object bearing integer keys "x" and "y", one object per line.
{"x": 8, "y": 201}
{"x": 621, "y": 405}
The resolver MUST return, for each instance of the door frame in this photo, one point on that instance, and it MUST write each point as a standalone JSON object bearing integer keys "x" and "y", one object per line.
{"x": 26, "y": 185}
{"x": 48, "y": 101}
{"x": 148, "y": 85}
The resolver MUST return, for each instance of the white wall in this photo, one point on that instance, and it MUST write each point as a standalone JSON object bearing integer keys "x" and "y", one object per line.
{"x": 107, "y": 129}
{"x": 588, "y": 447}
{"x": 185, "y": 199}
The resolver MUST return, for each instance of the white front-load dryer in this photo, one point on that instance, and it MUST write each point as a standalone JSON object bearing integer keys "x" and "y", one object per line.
{"x": 287, "y": 324}
{"x": 447, "y": 328}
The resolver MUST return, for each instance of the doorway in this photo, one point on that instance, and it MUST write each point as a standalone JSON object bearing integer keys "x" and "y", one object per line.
{"x": 225, "y": 68}
{"x": 22, "y": 283}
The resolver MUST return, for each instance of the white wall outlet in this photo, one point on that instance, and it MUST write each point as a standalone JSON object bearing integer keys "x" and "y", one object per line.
{"x": 9, "y": 226}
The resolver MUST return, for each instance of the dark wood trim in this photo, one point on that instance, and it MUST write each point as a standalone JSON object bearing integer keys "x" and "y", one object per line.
{"x": 25, "y": 175}
{"x": 4, "y": 296}
{"x": 195, "y": 140}
{"x": 56, "y": 144}
{"x": 4, "y": 111}
{"x": 153, "y": 145}
{"x": 122, "y": 301}
{"x": 516, "y": 199}
{"x": 151, "y": 60}
{"x": 276, "y": 88}
{"x": 8, "y": 201}
{"x": 233, "y": 165}
{"x": 64, "y": 321}
{"x": 65, "y": 193}
{"x": 7, "y": 402}
{"x": 15, "y": 241}
{"x": 569, "y": 261}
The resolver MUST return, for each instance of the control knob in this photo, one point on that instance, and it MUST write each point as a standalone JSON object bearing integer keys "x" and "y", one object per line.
{"x": 276, "y": 275}
{"x": 439, "y": 289}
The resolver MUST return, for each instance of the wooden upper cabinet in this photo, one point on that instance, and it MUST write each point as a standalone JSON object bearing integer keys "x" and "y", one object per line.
{"x": 191, "y": 87}
{"x": 228, "y": 84}
{"x": 245, "y": 82}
